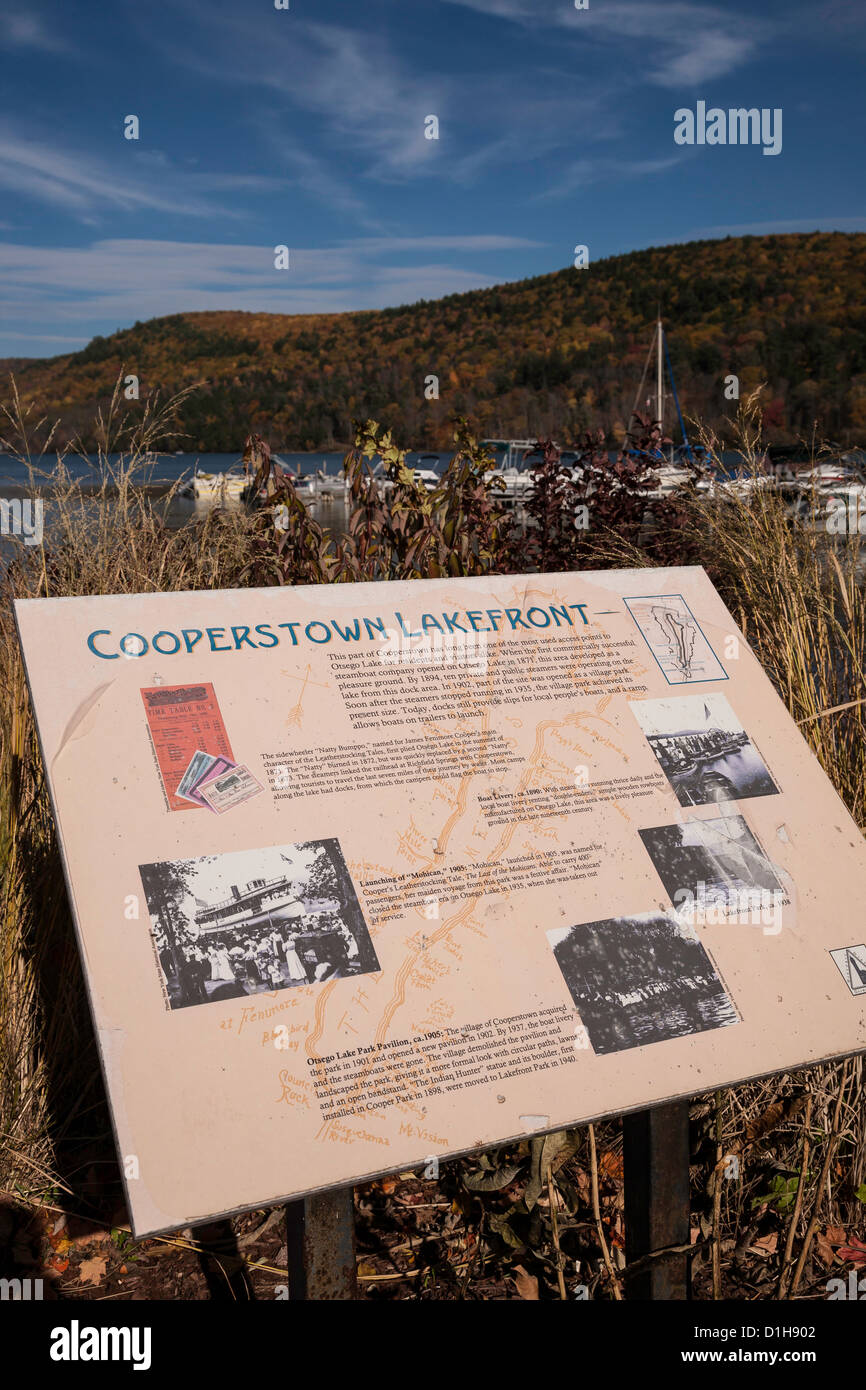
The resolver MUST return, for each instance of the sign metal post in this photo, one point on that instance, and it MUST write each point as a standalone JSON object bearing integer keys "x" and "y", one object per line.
{"x": 320, "y": 1241}
{"x": 657, "y": 1210}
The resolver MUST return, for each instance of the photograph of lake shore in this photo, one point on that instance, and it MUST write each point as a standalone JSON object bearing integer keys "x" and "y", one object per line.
{"x": 702, "y": 749}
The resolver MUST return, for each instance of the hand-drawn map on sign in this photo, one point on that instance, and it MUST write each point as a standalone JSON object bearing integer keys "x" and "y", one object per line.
{"x": 368, "y": 873}
{"x": 675, "y": 639}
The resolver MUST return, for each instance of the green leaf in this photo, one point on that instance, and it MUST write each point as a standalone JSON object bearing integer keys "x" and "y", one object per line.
{"x": 781, "y": 1194}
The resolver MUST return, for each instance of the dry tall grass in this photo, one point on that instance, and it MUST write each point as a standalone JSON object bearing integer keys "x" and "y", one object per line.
{"x": 108, "y": 540}
{"x": 798, "y": 593}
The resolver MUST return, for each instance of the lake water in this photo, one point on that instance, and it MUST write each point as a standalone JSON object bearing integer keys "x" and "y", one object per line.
{"x": 157, "y": 477}
{"x": 620, "y": 1027}
{"x": 165, "y": 469}
{"x": 732, "y": 776}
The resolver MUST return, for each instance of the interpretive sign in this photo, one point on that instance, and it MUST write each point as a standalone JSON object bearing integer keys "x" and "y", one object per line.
{"x": 367, "y": 875}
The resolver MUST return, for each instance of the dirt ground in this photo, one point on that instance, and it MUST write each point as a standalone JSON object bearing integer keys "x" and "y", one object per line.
{"x": 416, "y": 1240}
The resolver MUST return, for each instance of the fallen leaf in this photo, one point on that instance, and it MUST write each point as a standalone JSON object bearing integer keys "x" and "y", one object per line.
{"x": 493, "y": 1180}
{"x": 611, "y": 1165}
{"x": 854, "y": 1254}
{"x": 90, "y": 1238}
{"x": 766, "y": 1245}
{"x": 824, "y": 1250}
{"x": 773, "y": 1116}
{"x": 837, "y": 1235}
{"x": 60, "y": 1265}
{"x": 92, "y": 1271}
{"x": 525, "y": 1283}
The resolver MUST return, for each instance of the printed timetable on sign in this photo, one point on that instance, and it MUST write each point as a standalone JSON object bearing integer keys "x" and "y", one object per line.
{"x": 183, "y": 719}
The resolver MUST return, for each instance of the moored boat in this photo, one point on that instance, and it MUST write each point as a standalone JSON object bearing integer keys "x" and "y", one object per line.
{"x": 514, "y": 473}
{"x": 231, "y": 485}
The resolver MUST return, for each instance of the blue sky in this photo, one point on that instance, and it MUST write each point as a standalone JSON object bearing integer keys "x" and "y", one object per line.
{"x": 305, "y": 127}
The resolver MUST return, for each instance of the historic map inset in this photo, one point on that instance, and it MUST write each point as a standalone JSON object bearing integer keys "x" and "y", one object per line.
{"x": 675, "y": 639}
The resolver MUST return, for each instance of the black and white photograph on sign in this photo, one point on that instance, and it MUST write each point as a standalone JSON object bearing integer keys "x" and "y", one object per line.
{"x": 703, "y": 749}
{"x": 674, "y": 636}
{"x": 851, "y": 962}
{"x": 255, "y": 921}
{"x": 640, "y": 980}
{"x": 711, "y": 864}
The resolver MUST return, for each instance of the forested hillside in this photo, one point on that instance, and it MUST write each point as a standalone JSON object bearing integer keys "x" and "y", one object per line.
{"x": 553, "y": 354}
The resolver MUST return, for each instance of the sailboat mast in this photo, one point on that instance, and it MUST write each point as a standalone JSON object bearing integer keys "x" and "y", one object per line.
{"x": 660, "y": 398}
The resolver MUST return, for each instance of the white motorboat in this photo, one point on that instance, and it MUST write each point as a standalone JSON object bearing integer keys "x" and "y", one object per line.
{"x": 231, "y": 486}
{"x": 830, "y": 496}
{"x": 305, "y": 485}
{"x": 514, "y": 473}
{"x": 428, "y": 477}
{"x": 668, "y": 477}
{"x": 318, "y": 486}
{"x": 329, "y": 486}
{"x": 424, "y": 477}
{"x": 832, "y": 474}
{"x": 740, "y": 485}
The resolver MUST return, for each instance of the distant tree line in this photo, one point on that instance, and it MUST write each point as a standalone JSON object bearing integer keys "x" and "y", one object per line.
{"x": 552, "y": 355}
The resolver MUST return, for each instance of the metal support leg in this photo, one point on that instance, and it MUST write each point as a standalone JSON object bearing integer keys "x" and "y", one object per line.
{"x": 222, "y": 1265}
{"x": 320, "y": 1239}
{"x": 657, "y": 1210}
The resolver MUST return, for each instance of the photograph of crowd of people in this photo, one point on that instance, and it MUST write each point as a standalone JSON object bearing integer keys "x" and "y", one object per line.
{"x": 704, "y": 861}
{"x": 702, "y": 749}
{"x": 639, "y": 980}
{"x": 255, "y": 921}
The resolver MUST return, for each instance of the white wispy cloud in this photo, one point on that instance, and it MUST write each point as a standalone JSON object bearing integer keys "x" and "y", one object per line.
{"x": 20, "y": 30}
{"x": 87, "y": 187}
{"x": 583, "y": 172}
{"x": 365, "y": 97}
{"x": 312, "y": 173}
{"x": 349, "y": 90}
{"x": 119, "y": 281}
{"x": 70, "y": 342}
{"x": 778, "y": 226}
{"x": 472, "y": 241}
{"x": 682, "y": 43}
